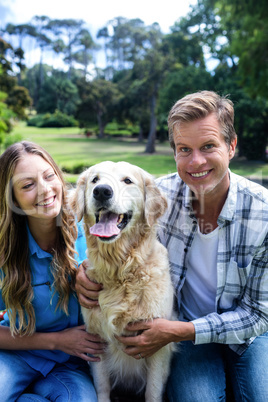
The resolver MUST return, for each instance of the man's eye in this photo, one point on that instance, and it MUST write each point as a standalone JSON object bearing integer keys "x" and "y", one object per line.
{"x": 208, "y": 146}
{"x": 127, "y": 181}
{"x": 95, "y": 179}
{"x": 184, "y": 149}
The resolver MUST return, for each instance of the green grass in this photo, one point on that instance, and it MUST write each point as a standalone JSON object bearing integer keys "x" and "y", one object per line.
{"x": 70, "y": 148}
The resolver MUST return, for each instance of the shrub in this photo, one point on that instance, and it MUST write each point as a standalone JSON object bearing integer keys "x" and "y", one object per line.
{"x": 35, "y": 121}
{"x": 75, "y": 169}
{"x": 57, "y": 119}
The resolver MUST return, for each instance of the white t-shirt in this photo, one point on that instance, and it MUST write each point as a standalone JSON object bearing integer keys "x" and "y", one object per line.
{"x": 199, "y": 289}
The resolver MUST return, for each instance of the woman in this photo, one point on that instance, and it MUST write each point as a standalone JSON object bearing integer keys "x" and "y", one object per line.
{"x": 43, "y": 344}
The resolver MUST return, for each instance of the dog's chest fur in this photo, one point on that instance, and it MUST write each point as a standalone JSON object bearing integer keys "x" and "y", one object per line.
{"x": 134, "y": 288}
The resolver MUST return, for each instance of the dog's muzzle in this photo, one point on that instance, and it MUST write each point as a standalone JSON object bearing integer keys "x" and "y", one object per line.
{"x": 108, "y": 223}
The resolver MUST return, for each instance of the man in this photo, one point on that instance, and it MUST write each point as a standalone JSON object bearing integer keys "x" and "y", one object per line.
{"x": 216, "y": 232}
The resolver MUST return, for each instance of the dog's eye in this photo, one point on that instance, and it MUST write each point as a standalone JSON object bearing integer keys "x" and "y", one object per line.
{"x": 127, "y": 181}
{"x": 95, "y": 179}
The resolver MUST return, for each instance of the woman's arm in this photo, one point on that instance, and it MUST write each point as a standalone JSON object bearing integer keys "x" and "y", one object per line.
{"x": 73, "y": 341}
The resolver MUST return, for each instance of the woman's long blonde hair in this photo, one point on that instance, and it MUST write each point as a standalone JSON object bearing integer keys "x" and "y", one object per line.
{"x": 17, "y": 292}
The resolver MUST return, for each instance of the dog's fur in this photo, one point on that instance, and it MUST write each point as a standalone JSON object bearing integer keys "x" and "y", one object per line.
{"x": 133, "y": 268}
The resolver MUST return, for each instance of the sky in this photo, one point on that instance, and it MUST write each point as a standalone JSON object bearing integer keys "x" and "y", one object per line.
{"x": 95, "y": 13}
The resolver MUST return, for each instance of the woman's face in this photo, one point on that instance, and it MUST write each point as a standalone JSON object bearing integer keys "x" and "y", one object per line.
{"x": 37, "y": 189}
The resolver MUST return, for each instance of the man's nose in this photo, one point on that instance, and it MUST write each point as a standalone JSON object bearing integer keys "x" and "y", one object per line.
{"x": 197, "y": 158}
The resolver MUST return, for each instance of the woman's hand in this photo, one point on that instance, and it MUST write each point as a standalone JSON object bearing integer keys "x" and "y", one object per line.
{"x": 87, "y": 291}
{"x": 78, "y": 342}
{"x": 74, "y": 341}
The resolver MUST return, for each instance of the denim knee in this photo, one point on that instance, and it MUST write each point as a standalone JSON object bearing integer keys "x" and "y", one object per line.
{"x": 63, "y": 384}
{"x": 197, "y": 374}
{"x": 249, "y": 372}
{"x": 16, "y": 375}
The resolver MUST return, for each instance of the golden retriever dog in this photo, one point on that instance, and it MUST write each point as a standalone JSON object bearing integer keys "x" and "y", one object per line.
{"x": 120, "y": 205}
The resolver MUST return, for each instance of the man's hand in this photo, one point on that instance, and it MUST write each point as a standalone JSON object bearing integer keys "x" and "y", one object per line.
{"x": 87, "y": 291}
{"x": 154, "y": 335}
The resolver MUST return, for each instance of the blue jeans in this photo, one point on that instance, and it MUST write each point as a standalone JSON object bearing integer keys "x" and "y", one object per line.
{"x": 62, "y": 384}
{"x": 198, "y": 372}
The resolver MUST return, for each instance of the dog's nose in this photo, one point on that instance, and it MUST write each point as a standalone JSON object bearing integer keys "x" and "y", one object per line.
{"x": 103, "y": 192}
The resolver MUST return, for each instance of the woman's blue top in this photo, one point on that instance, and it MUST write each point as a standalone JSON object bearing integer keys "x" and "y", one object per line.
{"x": 48, "y": 319}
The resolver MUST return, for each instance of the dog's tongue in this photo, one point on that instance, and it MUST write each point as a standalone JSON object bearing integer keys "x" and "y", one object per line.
{"x": 106, "y": 227}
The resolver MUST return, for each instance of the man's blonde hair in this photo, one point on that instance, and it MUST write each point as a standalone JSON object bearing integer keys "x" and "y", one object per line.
{"x": 198, "y": 106}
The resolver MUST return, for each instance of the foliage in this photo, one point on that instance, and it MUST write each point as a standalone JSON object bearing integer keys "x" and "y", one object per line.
{"x": 181, "y": 81}
{"x": 17, "y": 100}
{"x": 58, "y": 93}
{"x": 218, "y": 45}
{"x": 99, "y": 99}
{"x": 57, "y": 119}
{"x": 6, "y": 115}
{"x": 13, "y": 99}
{"x": 249, "y": 42}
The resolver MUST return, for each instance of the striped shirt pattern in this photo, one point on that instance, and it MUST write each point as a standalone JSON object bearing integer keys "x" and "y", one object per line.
{"x": 241, "y": 305}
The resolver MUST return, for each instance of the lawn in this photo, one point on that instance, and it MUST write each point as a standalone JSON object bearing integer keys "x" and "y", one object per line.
{"x": 71, "y": 149}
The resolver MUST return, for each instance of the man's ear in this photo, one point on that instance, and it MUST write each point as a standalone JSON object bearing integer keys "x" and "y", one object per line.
{"x": 232, "y": 148}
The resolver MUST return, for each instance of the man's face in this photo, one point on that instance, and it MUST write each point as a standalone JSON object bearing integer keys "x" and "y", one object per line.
{"x": 202, "y": 156}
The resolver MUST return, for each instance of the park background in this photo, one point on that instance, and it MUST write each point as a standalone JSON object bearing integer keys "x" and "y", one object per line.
{"x": 89, "y": 93}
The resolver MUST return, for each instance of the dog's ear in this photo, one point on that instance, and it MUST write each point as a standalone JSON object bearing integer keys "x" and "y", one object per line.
{"x": 76, "y": 196}
{"x": 155, "y": 201}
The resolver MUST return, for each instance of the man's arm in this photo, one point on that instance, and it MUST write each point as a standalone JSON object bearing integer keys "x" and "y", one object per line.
{"x": 156, "y": 334}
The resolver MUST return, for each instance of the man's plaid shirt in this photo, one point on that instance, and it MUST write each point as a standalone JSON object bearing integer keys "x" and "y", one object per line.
{"x": 241, "y": 306}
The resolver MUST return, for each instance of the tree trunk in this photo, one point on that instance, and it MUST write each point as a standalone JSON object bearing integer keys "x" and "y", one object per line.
{"x": 150, "y": 147}
{"x": 101, "y": 126}
{"x": 140, "y": 137}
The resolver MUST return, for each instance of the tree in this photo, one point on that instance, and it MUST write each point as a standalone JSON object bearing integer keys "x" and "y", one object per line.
{"x": 58, "y": 93}
{"x": 216, "y": 32}
{"x": 134, "y": 102}
{"x": 103, "y": 33}
{"x": 13, "y": 99}
{"x": 180, "y": 81}
{"x": 41, "y": 25}
{"x": 5, "y": 117}
{"x": 86, "y": 46}
{"x": 99, "y": 100}
{"x": 69, "y": 28}
{"x": 21, "y": 31}
{"x": 17, "y": 100}
{"x": 150, "y": 70}
{"x": 248, "y": 41}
